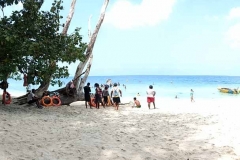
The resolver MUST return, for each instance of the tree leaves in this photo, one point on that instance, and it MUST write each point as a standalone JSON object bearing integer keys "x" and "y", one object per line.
{"x": 31, "y": 42}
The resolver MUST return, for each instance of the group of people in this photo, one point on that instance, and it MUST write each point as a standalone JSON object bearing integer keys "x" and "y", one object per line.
{"x": 150, "y": 98}
{"x": 102, "y": 96}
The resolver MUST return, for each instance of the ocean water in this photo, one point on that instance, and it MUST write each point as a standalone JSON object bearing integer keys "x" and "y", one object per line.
{"x": 165, "y": 86}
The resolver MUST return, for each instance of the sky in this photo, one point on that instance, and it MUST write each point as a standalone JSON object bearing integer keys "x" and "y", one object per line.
{"x": 159, "y": 37}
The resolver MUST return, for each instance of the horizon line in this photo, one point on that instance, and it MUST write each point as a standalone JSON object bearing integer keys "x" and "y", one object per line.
{"x": 159, "y": 75}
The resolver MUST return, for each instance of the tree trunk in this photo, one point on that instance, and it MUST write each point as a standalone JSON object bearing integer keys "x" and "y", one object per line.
{"x": 44, "y": 86}
{"x": 78, "y": 82}
{"x": 89, "y": 54}
{"x": 81, "y": 66}
{"x": 69, "y": 17}
{"x": 84, "y": 79}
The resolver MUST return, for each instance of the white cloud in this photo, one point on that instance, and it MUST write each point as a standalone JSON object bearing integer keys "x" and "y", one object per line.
{"x": 233, "y": 36}
{"x": 234, "y": 13}
{"x": 125, "y": 15}
{"x": 211, "y": 18}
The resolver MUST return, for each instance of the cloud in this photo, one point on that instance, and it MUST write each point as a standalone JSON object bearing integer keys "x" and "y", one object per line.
{"x": 233, "y": 36}
{"x": 234, "y": 13}
{"x": 211, "y": 18}
{"x": 126, "y": 15}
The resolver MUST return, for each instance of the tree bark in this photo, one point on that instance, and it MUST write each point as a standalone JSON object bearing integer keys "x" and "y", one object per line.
{"x": 44, "y": 86}
{"x": 78, "y": 82}
{"x": 69, "y": 17}
{"x": 89, "y": 54}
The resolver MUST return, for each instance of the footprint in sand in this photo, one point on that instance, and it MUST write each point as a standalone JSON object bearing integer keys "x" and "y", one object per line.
{"x": 123, "y": 150}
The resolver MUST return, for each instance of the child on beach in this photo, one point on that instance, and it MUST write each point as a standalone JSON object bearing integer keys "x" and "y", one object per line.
{"x": 136, "y": 103}
{"x": 191, "y": 95}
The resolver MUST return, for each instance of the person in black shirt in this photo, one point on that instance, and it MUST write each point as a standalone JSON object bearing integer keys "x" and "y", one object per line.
{"x": 87, "y": 91}
{"x": 98, "y": 95}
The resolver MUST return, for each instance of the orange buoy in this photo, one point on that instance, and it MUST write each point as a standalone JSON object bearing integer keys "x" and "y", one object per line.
{"x": 6, "y": 98}
{"x": 47, "y": 101}
{"x": 56, "y": 101}
{"x": 92, "y": 102}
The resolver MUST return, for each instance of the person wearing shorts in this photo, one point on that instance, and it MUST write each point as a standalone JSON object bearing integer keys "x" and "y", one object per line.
{"x": 151, "y": 96}
{"x": 105, "y": 96}
{"x": 115, "y": 94}
{"x": 136, "y": 103}
{"x": 87, "y": 91}
{"x": 98, "y": 96}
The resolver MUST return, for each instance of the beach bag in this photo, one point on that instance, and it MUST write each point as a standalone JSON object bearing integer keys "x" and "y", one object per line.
{"x": 115, "y": 93}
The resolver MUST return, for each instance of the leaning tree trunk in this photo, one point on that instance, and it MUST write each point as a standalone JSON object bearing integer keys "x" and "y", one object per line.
{"x": 69, "y": 17}
{"x": 89, "y": 55}
{"x": 78, "y": 82}
{"x": 84, "y": 79}
{"x": 44, "y": 86}
{"x": 80, "y": 66}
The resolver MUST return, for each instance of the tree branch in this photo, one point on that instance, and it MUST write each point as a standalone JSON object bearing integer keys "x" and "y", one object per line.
{"x": 79, "y": 76}
{"x": 69, "y": 18}
{"x": 2, "y": 11}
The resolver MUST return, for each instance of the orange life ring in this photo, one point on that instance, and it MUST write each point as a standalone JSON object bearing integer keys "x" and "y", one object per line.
{"x": 92, "y": 102}
{"x": 6, "y": 98}
{"x": 47, "y": 101}
{"x": 54, "y": 99}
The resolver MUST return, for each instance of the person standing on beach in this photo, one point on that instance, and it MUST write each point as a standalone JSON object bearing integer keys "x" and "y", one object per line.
{"x": 105, "y": 96}
{"x": 98, "y": 95}
{"x": 115, "y": 94}
{"x": 151, "y": 96}
{"x": 191, "y": 95}
{"x": 87, "y": 91}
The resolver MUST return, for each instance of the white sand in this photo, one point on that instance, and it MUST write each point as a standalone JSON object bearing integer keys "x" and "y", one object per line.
{"x": 176, "y": 130}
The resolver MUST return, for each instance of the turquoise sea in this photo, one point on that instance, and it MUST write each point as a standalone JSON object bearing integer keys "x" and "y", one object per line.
{"x": 165, "y": 86}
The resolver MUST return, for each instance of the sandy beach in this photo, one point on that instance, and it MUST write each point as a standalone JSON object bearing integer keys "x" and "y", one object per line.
{"x": 176, "y": 130}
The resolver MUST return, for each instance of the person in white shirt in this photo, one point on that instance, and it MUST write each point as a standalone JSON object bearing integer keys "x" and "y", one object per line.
{"x": 151, "y": 96}
{"x": 115, "y": 94}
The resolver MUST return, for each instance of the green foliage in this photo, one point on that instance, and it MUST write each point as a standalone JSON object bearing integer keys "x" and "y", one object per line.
{"x": 31, "y": 43}
{"x": 4, "y": 3}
